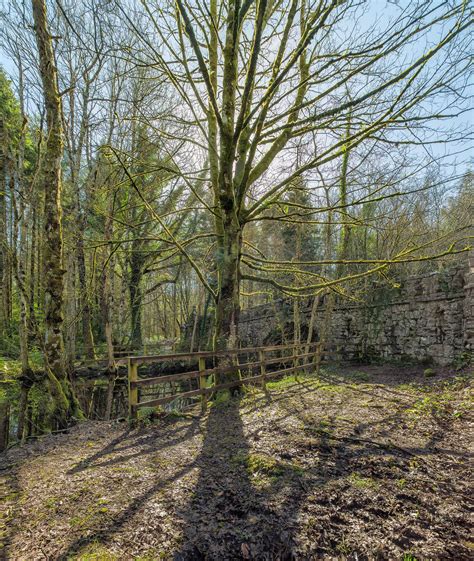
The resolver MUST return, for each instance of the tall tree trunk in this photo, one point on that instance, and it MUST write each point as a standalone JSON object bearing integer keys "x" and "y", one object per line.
{"x": 75, "y": 144}
{"x": 32, "y": 260}
{"x": 296, "y": 302}
{"x": 4, "y": 424}
{"x": 107, "y": 310}
{"x": 228, "y": 300}
{"x": 66, "y": 403}
{"x": 195, "y": 318}
{"x": 345, "y": 233}
{"x": 312, "y": 323}
{"x": 5, "y": 274}
{"x": 87, "y": 336}
{"x": 136, "y": 299}
{"x": 71, "y": 312}
{"x": 21, "y": 233}
{"x": 229, "y": 229}
{"x": 27, "y": 375}
{"x": 228, "y": 296}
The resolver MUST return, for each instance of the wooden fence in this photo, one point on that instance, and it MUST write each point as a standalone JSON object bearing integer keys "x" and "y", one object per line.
{"x": 301, "y": 357}
{"x": 121, "y": 353}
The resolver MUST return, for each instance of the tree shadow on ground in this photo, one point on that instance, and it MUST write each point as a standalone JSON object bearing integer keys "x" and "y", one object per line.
{"x": 110, "y": 454}
{"x": 235, "y": 509}
{"x": 235, "y": 512}
{"x": 251, "y": 505}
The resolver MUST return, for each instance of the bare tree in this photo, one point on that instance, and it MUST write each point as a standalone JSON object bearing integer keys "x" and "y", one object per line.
{"x": 258, "y": 78}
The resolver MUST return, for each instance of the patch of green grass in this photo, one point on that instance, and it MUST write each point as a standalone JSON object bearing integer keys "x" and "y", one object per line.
{"x": 409, "y": 557}
{"x": 13, "y": 496}
{"x": 81, "y": 522}
{"x": 343, "y": 547}
{"x": 258, "y": 464}
{"x": 94, "y": 552}
{"x": 221, "y": 398}
{"x": 324, "y": 423}
{"x": 261, "y": 465}
{"x": 125, "y": 469}
{"x": 362, "y": 482}
{"x": 441, "y": 403}
{"x": 151, "y": 556}
{"x": 424, "y": 406}
{"x": 409, "y": 388}
{"x": 330, "y": 388}
{"x": 51, "y": 503}
{"x": 284, "y": 382}
{"x": 89, "y": 518}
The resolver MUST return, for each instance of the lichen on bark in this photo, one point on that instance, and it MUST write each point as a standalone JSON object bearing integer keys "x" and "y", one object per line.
{"x": 53, "y": 272}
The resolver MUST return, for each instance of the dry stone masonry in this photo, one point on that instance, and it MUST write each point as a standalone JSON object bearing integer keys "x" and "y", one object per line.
{"x": 429, "y": 318}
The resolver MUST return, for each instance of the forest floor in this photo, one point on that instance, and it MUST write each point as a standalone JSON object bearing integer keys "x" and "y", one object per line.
{"x": 361, "y": 463}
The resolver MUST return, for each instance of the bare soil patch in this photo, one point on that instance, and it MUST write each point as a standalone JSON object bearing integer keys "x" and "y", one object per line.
{"x": 359, "y": 463}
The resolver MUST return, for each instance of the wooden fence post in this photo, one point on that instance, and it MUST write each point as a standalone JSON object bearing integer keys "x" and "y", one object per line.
{"x": 318, "y": 357}
{"x": 263, "y": 368}
{"x": 132, "y": 389}
{"x": 296, "y": 361}
{"x": 202, "y": 383}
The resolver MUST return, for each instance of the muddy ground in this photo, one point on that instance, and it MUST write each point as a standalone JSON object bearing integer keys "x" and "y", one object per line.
{"x": 360, "y": 463}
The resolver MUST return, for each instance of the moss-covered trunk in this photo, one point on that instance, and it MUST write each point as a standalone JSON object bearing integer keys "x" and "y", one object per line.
{"x": 4, "y": 424}
{"x": 5, "y": 263}
{"x": 26, "y": 384}
{"x": 228, "y": 301}
{"x": 228, "y": 225}
{"x": 61, "y": 388}
{"x": 136, "y": 300}
{"x": 87, "y": 336}
{"x": 107, "y": 311}
{"x": 228, "y": 294}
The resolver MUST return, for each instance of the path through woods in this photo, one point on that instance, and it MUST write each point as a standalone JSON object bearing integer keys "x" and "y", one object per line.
{"x": 359, "y": 464}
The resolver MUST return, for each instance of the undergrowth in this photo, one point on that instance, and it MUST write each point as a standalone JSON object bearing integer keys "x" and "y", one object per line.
{"x": 442, "y": 400}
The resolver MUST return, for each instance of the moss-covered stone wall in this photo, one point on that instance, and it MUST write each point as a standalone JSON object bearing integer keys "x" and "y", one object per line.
{"x": 428, "y": 318}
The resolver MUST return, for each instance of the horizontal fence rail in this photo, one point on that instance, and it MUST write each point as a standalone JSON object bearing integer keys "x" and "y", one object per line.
{"x": 201, "y": 382}
{"x": 120, "y": 355}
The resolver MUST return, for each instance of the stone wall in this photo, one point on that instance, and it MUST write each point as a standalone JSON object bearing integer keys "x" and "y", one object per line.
{"x": 429, "y": 318}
